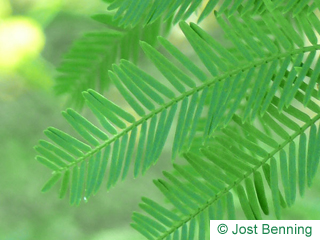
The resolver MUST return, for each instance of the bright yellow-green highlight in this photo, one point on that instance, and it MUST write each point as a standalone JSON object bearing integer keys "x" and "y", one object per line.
{"x": 21, "y": 39}
{"x": 5, "y": 8}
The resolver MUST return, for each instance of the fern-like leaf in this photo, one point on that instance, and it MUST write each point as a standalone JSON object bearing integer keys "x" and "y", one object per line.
{"x": 87, "y": 63}
{"x": 274, "y": 63}
{"x": 232, "y": 164}
{"x": 182, "y": 9}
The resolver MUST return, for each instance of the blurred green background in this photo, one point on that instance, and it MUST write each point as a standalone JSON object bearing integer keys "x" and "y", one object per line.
{"x": 33, "y": 36}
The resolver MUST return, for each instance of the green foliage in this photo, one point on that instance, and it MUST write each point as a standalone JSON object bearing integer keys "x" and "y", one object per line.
{"x": 234, "y": 161}
{"x": 90, "y": 57}
{"x": 182, "y": 9}
{"x": 240, "y": 113}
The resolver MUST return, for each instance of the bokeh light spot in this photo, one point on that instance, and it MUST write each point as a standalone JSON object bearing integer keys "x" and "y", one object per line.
{"x": 21, "y": 39}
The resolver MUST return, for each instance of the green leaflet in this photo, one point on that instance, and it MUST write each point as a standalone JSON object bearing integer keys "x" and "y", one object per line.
{"x": 102, "y": 120}
{"x": 244, "y": 203}
{"x": 133, "y": 103}
{"x": 190, "y": 116}
{"x": 62, "y": 143}
{"x": 65, "y": 183}
{"x": 74, "y": 185}
{"x": 52, "y": 181}
{"x": 89, "y": 127}
{"x": 311, "y": 156}
{"x": 263, "y": 88}
{"x": 102, "y": 169}
{"x": 149, "y": 145}
{"x": 148, "y": 223}
{"x": 127, "y": 66}
{"x": 180, "y": 124}
{"x": 80, "y": 184}
{"x": 196, "y": 118}
{"x": 140, "y": 149}
{"x": 163, "y": 131}
{"x": 260, "y": 190}
{"x": 48, "y": 163}
{"x": 284, "y": 176}
{"x": 316, "y": 158}
{"x": 204, "y": 230}
{"x": 121, "y": 158}
{"x": 187, "y": 190}
{"x": 140, "y": 96}
{"x": 204, "y": 52}
{"x": 168, "y": 69}
{"x": 310, "y": 88}
{"x": 184, "y": 234}
{"x": 92, "y": 177}
{"x": 57, "y": 151}
{"x": 80, "y": 129}
{"x": 112, "y": 107}
{"x": 274, "y": 188}
{"x": 143, "y": 86}
{"x": 212, "y": 107}
{"x": 113, "y": 164}
{"x": 292, "y": 171}
{"x": 275, "y": 85}
{"x": 230, "y": 207}
{"x": 48, "y": 155}
{"x": 252, "y": 198}
{"x": 157, "y": 215}
{"x": 189, "y": 65}
{"x": 129, "y": 153}
{"x": 300, "y": 77}
{"x": 75, "y": 142}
